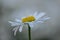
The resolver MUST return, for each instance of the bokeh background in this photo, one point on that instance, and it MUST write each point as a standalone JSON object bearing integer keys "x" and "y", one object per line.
{"x": 49, "y": 30}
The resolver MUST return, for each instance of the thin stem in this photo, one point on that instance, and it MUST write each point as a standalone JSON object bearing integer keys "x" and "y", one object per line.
{"x": 29, "y": 32}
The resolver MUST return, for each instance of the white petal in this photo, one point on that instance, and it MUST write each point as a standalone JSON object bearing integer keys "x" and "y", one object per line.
{"x": 20, "y": 28}
{"x": 42, "y": 20}
{"x": 40, "y": 15}
{"x": 15, "y": 31}
{"x": 45, "y": 18}
{"x": 39, "y": 22}
{"x": 13, "y": 23}
{"x": 17, "y": 20}
{"x": 35, "y": 14}
{"x": 31, "y": 25}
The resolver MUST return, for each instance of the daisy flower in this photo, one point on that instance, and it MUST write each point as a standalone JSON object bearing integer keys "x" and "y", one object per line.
{"x": 31, "y": 20}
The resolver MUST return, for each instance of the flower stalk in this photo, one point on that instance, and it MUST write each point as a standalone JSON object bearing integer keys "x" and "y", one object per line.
{"x": 29, "y": 32}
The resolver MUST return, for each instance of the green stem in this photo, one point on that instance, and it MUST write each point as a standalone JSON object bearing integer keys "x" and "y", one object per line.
{"x": 29, "y": 32}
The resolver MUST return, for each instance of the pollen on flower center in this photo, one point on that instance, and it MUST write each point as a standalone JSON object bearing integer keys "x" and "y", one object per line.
{"x": 28, "y": 19}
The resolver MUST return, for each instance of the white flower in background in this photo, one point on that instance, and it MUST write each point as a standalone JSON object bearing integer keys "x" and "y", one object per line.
{"x": 31, "y": 20}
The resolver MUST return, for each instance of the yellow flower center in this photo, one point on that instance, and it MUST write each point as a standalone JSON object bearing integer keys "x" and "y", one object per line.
{"x": 28, "y": 19}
